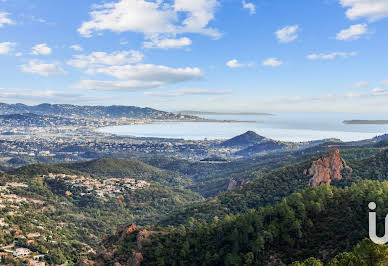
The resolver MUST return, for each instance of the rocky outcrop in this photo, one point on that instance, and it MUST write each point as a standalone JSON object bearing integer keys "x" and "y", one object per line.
{"x": 232, "y": 184}
{"x": 108, "y": 251}
{"x": 86, "y": 262}
{"x": 141, "y": 236}
{"x": 136, "y": 260}
{"x": 237, "y": 183}
{"x": 328, "y": 168}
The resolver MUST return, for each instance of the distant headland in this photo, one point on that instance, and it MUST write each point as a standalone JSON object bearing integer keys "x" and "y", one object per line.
{"x": 366, "y": 122}
{"x": 224, "y": 113}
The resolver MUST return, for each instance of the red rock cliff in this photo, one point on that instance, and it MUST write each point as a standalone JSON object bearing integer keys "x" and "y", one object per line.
{"x": 328, "y": 168}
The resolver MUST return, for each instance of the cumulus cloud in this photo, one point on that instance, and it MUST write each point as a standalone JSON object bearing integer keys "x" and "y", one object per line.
{"x": 361, "y": 84}
{"x": 139, "y": 77}
{"x": 330, "y": 56}
{"x": 18, "y": 93}
{"x": 97, "y": 59}
{"x": 287, "y": 34}
{"x": 273, "y": 62}
{"x": 168, "y": 43}
{"x": 370, "y": 9}
{"x": 6, "y": 47}
{"x": 385, "y": 82}
{"x": 150, "y": 18}
{"x": 379, "y": 92}
{"x": 184, "y": 92}
{"x": 236, "y": 64}
{"x": 43, "y": 69}
{"x": 4, "y": 19}
{"x": 354, "y": 32}
{"x": 126, "y": 85}
{"x": 41, "y": 49}
{"x": 250, "y": 6}
{"x": 77, "y": 48}
{"x": 39, "y": 96}
{"x": 149, "y": 72}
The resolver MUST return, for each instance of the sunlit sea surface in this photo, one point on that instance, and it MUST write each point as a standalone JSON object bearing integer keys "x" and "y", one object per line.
{"x": 281, "y": 126}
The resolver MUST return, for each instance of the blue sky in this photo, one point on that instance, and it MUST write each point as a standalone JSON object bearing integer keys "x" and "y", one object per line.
{"x": 229, "y": 55}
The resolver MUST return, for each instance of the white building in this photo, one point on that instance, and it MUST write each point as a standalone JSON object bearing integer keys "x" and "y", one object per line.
{"x": 21, "y": 252}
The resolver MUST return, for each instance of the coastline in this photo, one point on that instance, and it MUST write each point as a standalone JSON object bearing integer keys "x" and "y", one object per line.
{"x": 365, "y": 122}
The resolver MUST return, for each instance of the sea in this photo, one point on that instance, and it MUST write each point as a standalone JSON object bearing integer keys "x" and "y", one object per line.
{"x": 294, "y": 127}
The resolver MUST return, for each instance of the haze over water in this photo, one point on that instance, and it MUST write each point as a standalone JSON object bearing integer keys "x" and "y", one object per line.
{"x": 281, "y": 126}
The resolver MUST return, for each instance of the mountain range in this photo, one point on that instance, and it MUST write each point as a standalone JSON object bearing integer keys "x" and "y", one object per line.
{"x": 95, "y": 112}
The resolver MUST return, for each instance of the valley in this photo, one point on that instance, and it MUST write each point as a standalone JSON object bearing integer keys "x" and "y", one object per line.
{"x": 95, "y": 199}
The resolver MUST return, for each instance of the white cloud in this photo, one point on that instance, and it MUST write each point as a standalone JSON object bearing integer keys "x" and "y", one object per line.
{"x": 273, "y": 62}
{"x": 250, "y": 6}
{"x": 6, "y": 47}
{"x": 4, "y": 19}
{"x": 361, "y": 84}
{"x": 287, "y": 34}
{"x": 330, "y": 56}
{"x": 150, "y": 18}
{"x": 126, "y": 85}
{"x": 43, "y": 69}
{"x": 370, "y": 9}
{"x": 41, "y": 49}
{"x": 148, "y": 72}
{"x": 139, "y": 77}
{"x": 385, "y": 82}
{"x": 184, "y": 92}
{"x": 77, "y": 48}
{"x": 168, "y": 43}
{"x": 236, "y": 64}
{"x": 97, "y": 59}
{"x": 28, "y": 94}
{"x": 354, "y": 32}
{"x": 379, "y": 92}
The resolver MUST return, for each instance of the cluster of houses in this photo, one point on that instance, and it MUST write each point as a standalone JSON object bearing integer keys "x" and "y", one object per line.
{"x": 103, "y": 188}
{"x": 8, "y": 198}
{"x": 13, "y": 250}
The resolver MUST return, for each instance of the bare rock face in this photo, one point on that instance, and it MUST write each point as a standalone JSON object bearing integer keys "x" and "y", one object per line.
{"x": 129, "y": 230}
{"x": 86, "y": 262}
{"x": 137, "y": 258}
{"x": 144, "y": 234}
{"x": 328, "y": 168}
{"x": 232, "y": 184}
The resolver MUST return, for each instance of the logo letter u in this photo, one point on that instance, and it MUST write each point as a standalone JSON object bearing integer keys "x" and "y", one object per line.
{"x": 373, "y": 227}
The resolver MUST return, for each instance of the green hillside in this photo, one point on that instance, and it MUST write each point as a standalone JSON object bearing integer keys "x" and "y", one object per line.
{"x": 129, "y": 168}
{"x": 318, "y": 222}
{"x": 264, "y": 189}
{"x": 39, "y": 198}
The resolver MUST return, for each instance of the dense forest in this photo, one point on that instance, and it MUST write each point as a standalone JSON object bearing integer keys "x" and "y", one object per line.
{"x": 319, "y": 222}
{"x": 265, "y": 189}
{"x": 86, "y": 211}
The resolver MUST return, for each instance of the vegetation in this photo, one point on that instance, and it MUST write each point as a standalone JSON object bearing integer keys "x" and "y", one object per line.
{"x": 131, "y": 168}
{"x": 266, "y": 189}
{"x": 321, "y": 222}
{"x": 273, "y": 216}
{"x": 364, "y": 253}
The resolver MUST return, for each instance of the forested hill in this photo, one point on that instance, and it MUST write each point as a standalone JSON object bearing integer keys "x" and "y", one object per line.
{"x": 317, "y": 222}
{"x": 129, "y": 168}
{"x": 246, "y": 139}
{"x": 271, "y": 188}
{"x": 97, "y": 112}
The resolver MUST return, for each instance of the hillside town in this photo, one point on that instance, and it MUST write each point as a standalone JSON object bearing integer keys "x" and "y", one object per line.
{"x": 111, "y": 187}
